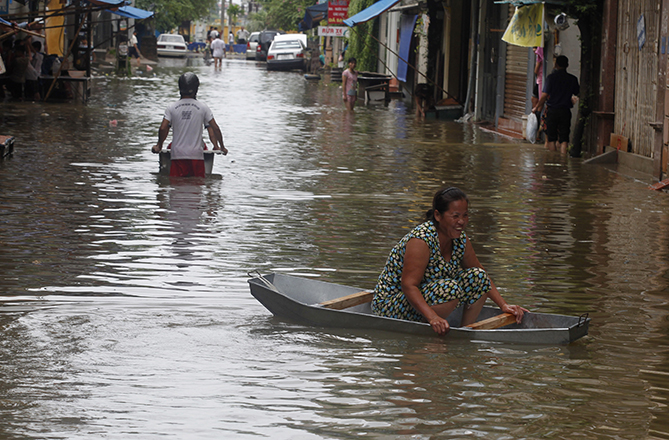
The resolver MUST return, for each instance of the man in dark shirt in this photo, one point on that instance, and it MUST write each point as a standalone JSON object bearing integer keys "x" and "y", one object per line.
{"x": 558, "y": 91}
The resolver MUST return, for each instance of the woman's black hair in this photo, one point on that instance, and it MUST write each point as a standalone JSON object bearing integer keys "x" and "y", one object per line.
{"x": 442, "y": 199}
{"x": 351, "y": 59}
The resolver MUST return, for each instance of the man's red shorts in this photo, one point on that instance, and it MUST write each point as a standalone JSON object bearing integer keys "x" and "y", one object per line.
{"x": 187, "y": 168}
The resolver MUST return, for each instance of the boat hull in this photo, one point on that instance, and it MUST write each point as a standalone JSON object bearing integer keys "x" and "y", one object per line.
{"x": 165, "y": 161}
{"x": 297, "y": 299}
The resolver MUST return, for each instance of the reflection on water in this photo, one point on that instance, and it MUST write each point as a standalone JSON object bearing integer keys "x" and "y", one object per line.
{"x": 126, "y": 310}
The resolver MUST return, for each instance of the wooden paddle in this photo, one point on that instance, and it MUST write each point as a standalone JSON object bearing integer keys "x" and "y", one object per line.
{"x": 354, "y": 299}
{"x": 494, "y": 322}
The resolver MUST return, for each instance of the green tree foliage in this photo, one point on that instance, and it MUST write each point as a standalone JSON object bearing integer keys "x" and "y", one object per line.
{"x": 169, "y": 14}
{"x": 361, "y": 44}
{"x": 257, "y": 21}
{"x": 283, "y": 14}
{"x": 233, "y": 12}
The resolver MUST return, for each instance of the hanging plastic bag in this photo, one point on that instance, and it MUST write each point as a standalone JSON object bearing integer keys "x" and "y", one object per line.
{"x": 532, "y": 127}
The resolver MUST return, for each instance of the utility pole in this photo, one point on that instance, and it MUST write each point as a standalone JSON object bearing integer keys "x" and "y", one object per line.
{"x": 223, "y": 37}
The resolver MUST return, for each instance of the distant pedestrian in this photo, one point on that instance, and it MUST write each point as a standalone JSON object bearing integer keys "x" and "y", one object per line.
{"x": 32, "y": 92}
{"x": 231, "y": 42}
{"x": 242, "y": 36}
{"x": 134, "y": 50}
{"x": 560, "y": 91}
{"x": 186, "y": 117}
{"x": 538, "y": 75}
{"x": 19, "y": 68}
{"x": 218, "y": 52}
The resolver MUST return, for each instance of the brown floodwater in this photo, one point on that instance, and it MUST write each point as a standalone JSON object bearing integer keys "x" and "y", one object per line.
{"x": 124, "y": 304}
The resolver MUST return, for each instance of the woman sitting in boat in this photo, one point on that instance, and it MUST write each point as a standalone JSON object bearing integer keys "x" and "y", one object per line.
{"x": 434, "y": 269}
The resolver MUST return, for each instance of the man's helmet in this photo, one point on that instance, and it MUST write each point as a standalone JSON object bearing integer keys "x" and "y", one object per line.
{"x": 188, "y": 84}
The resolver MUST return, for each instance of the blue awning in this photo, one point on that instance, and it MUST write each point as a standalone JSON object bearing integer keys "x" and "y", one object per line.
{"x": 407, "y": 24}
{"x": 5, "y": 22}
{"x": 373, "y": 11}
{"x": 132, "y": 12}
{"x": 312, "y": 16}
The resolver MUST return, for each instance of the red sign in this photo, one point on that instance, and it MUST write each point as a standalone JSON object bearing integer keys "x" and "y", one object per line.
{"x": 337, "y": 11}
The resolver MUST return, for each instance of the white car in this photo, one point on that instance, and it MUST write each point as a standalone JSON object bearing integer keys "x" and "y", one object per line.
{"x": 171, "y": 45}
{"x": 287, "y": 52}
{"x": 252, "y": 45}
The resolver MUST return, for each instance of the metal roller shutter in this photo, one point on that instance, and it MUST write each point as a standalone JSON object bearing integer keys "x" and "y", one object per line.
{"x": 515, "y": 82}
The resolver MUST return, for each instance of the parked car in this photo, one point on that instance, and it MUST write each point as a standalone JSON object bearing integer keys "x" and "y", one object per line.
{"x": 171, "y": 45}
{"x": 264, "y": 41}
{"x": 287, "y": 52}
{"x": 251, "y": 46}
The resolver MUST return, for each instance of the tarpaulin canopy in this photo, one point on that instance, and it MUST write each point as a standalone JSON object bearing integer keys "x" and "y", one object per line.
{"x": 109, "y": 3}
{"x": 373, "y": 11}
{"x": 132, "y": 12}
{"x": 5, "y": 22}
{"x": 406, "y": 32}
{"x": 312, "y": 16}
{"x": 529, "y": 2}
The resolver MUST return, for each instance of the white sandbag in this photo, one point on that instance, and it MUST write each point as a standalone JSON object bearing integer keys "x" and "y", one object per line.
{"x": 532, "y": 127}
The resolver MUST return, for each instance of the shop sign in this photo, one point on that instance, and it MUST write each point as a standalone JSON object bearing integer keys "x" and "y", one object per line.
{"x": 337, "y": 12}
{"x": 332, "y": 31}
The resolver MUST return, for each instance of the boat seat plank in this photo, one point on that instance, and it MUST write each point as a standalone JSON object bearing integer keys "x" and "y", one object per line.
{"x": 354, "y": 299}
{"x": 494, "y": 322}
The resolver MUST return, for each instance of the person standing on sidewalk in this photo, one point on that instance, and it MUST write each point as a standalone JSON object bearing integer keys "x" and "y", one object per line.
{"x": 231, "y": 42}
{"x": 560, "y": 91}
{"x": 187, "y": 117}
{"x": 134, "y": 50}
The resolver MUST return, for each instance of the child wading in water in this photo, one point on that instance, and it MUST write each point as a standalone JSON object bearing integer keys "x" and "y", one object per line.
{"x": 349, "y": 79}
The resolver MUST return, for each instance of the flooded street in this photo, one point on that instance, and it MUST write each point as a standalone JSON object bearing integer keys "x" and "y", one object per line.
{"x": 125, "y": 310}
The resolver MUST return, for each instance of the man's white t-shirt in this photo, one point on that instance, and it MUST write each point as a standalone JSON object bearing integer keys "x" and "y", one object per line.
{"x": 133, "y": 40}
{"x": 217, "y": 48}
{"x": 187, "y": 117}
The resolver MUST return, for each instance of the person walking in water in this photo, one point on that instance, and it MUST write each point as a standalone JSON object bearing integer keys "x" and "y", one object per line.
{"x": 559, "y": 94}
{"x": 187, "y": 116}
{"x": 218, "y": 52}
{"x": 349, "y": 80}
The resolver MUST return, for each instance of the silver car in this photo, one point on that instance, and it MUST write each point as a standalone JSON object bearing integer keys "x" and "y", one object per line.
{"x": 251, "y": 46}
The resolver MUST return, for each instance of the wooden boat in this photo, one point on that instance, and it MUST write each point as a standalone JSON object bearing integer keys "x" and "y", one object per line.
{"x": 311, "y": 302}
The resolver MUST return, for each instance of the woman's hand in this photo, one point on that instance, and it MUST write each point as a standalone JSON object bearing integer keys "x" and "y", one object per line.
{"x": 440, "y": 325}
{"x": 516, "y": 311}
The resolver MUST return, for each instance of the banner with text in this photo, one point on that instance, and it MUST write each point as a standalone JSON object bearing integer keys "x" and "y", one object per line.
{"x": 337, "y": 11}
{"x": 527, "y": 27}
